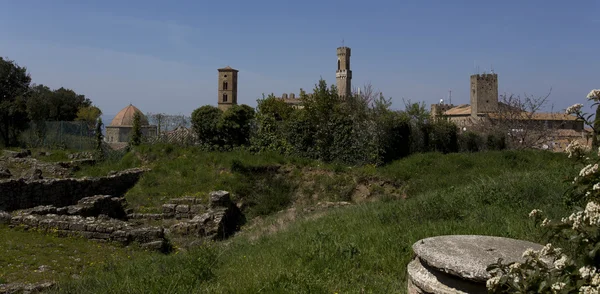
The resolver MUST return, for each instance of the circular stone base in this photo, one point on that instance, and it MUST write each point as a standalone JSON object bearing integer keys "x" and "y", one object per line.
{"x": 423, "y": 279}
{"x": 468, "y": 256}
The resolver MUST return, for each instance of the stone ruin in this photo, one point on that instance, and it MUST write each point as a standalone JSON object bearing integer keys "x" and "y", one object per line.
{"x": 458, "y": 263}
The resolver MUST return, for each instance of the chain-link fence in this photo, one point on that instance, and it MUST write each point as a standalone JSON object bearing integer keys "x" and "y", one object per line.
{"x": 73, "y": 135}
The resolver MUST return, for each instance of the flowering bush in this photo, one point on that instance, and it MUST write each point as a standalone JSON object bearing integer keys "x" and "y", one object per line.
{"x": 576, "y": 267}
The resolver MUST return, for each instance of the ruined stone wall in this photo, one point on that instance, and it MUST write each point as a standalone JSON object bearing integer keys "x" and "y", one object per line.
{"x": 22, "y": 193}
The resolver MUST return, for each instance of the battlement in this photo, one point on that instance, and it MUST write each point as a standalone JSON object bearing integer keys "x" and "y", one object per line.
{"x": 485, "y": 77}
{"x": 343, "y": 51}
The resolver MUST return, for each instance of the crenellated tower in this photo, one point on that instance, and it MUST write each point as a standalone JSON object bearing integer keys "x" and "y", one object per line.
{"x": 343, "y": 75}
{"x": 484, "y": 93}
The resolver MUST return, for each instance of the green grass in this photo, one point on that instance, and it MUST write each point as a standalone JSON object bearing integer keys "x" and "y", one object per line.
{"x": 365, "y": 247}
{"x": 22, "y": 253}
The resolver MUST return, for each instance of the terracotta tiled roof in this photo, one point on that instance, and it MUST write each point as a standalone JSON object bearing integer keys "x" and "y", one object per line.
{"x": 125, "y": 117}
{"x": 541, "y": 116}
{"x": 464, "y": 109}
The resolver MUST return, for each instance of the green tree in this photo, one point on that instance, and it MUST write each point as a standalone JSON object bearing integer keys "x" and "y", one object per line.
{"x": 89, "y": 115}
{"x": 99, "y": 138}
{"x": 271, "y": 114}
{"x": 235, "y": 125}
{"x": 205, "y": 122}
{"x": 14, "y": 89}
{"x": 136, "y": 130}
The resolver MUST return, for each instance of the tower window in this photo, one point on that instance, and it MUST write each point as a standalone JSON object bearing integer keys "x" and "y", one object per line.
{"x": 224, "y": 76}
{"x": 224, "y": 85}
{"x": 338, "y": 64}
{"x": 224, "y": 97}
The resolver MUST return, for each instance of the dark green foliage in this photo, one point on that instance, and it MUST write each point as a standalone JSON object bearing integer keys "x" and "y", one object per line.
{"x": 218, "y": 130}
{"x": 14, "y": 88}
{"x": 136, "y": 130}
{"x": 596, "y": 132}
{"x": 471, "y": 142}
{"x": 496, "y": 141}
{"x": 271, "y": 116}
{"x": 235, "y": 125}
{"x": 55, "y": 105}
{"x": 99, "y": 139}
{"x": 443, "y": 137}
{"x": 205, "y": 121}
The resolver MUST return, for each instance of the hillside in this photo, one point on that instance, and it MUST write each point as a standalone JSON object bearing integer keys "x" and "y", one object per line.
{"x": 362, "y": 247}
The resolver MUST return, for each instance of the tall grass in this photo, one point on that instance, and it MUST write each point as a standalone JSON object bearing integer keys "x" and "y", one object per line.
{"x": 364, "y": 247}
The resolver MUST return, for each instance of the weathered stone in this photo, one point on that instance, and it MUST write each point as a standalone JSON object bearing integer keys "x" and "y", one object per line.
{"x": 196, "y": 209}
{"x": 43, "y": 209}
{"x": 220, "y": 199}
{"x": 188, "y": 200}
{"x": 34, "y": 174}
{"x": 182, "y": 208}
{"x": 160, "y": 245}
{"x": 220, "y": 221}
{"x": 22, "y": 194}
{"x": 5, "y": 218}
{"x": 169, "y": 208}
{"x": 422, "y": 279}
{"x": 16, "y": 154}
{"x": 467, "y": 256}
{"x": 5, "y": 173}
{"x": 26, "y": 288}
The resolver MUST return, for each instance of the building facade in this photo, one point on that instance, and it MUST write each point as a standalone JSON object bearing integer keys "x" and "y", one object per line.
{"x": 227, "y": 88}
{"x": 120, "y": 128}
{"x": 343, "y": 75}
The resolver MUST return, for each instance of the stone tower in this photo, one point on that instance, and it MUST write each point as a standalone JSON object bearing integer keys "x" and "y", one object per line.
{"x": 343, "y": 75}
{"x": 228, "y": 86}
{"x": 484, "y": 93}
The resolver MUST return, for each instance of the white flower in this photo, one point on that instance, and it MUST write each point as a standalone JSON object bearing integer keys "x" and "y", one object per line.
{"x": 535, "y": 212}
{"x": 576, "y": 219}
{"x": 596, "y": 279}
{"x": 561, "y": 262}
{"x": 514, "y": 266}
{"x": 588, "y": 170}
{"x": 547, "y": 250}
{"x": 492, "y": 283}
{"x": 558, "y": 286}
{"x": 530, "y": 253}
{"x": 545, "y": 222}
{"x": 588, "y": 290}
{"x": 594, "y": 95}
{"x": 592, "y": 213}
{"x": 587, "y": 271}
{"x": 575, "y": 108}
{"x": 596, "y": 187}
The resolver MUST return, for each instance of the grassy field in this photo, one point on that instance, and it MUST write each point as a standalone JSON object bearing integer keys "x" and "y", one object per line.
{"x": 30, "y": 256}
{"x": 361, "y": 248}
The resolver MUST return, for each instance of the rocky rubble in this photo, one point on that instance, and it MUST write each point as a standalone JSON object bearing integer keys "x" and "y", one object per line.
{"x": 23, "y": 194}
{"x": 96, "y": 228}
{"x": 222, "y": 219}
{"x": 25, "y": 288}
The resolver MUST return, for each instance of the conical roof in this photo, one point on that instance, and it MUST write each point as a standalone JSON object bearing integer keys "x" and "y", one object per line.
{"x": 125, "y": 117}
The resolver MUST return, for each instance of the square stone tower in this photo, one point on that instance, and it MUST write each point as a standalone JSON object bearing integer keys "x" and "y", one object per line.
{"x": 228, "y": 87}
{"x": 343, "y": 75}
{"x": 484, "y": 93}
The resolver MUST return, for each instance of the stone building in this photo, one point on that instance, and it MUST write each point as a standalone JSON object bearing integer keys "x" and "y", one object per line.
{"x": 486, "y": 107}
{"x": 343, "y": 75}
{"x": 227, "y": 88}
{"x": 119, "y": 130}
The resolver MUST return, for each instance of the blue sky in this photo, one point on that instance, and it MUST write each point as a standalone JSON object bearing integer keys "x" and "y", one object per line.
{"x": 163, "y": 56}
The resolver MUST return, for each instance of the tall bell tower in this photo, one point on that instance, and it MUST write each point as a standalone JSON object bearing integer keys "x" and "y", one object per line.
{"x": 343, "y": 75}
{"x": 227, "y": 88}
